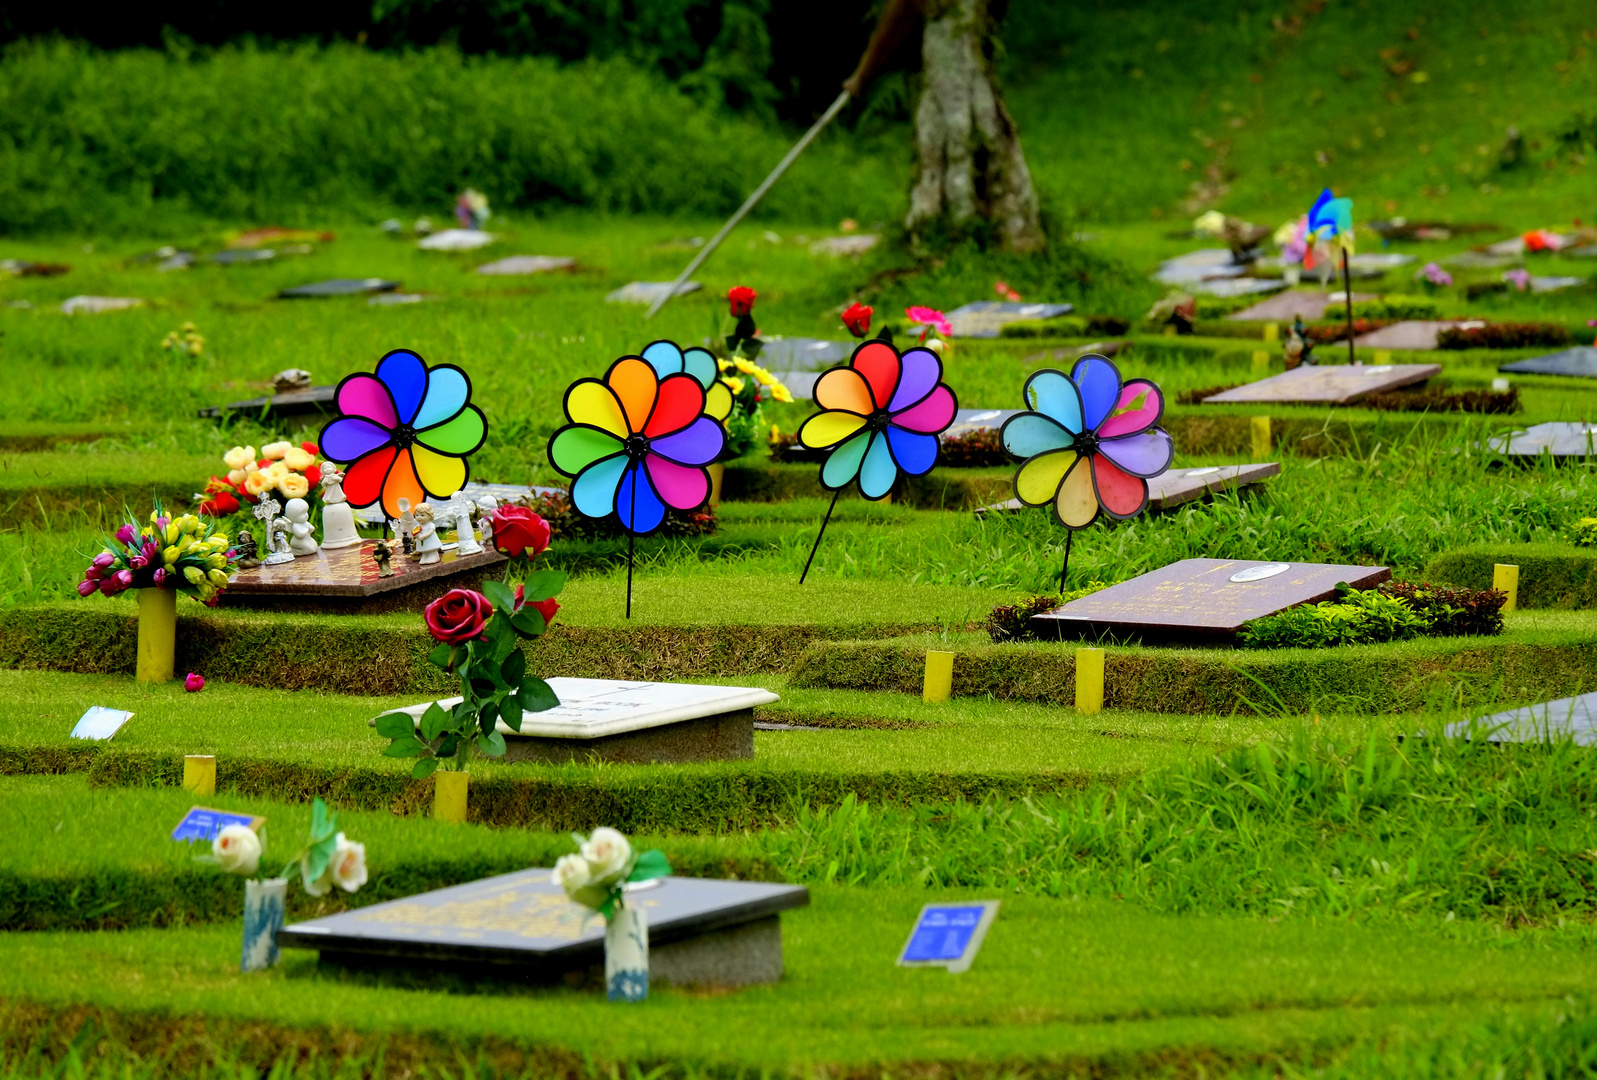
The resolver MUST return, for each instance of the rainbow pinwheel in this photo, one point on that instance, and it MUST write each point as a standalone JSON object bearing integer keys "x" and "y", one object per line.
{"x": 1089, "y": 443}
{"x": 881, "y": 415}
{"x": 403, "y": 432}
{"x": 1336, "y": 215}
{"x": 668, "y": 359}
{"x": 637, "y": 443}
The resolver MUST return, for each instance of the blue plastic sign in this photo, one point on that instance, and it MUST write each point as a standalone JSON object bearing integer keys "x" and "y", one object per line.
{"x": 100, "y": 723}
{"x": 202, "y": 823}
{"x": 948, "y": 935}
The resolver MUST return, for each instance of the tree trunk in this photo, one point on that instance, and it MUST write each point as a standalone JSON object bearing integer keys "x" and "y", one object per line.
{"x": 971, "y": 164}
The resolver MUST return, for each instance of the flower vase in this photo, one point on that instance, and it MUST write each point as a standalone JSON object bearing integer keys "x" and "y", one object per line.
{"x": 626, "y": 954}
{"x": 449, "y": 795}
{"x": 717, "y": 471}
{"x": 264, "y": 904}
{"x": 157, "y": 634}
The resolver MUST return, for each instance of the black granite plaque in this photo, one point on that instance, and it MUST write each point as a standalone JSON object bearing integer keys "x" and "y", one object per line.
{"x": 1580, "y": 361}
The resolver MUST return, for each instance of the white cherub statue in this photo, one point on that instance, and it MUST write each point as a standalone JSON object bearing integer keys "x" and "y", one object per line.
{"x": 427, "y": 543}
{"x": 332, "y": 483}
{"x": 298, "y": 512}
{"x": 485, "y": 518}
{"x": 466, "y": 542}
{"x": 338, "y": 519}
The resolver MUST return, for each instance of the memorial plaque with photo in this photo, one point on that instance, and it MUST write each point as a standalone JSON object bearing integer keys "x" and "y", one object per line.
{"x": 1333, "y": 384}
{"x": 1574, "y": 718}
{"x": 1177, "y": 486}
{"x": 1201, "y": 601}
{"x": 1557, "y": 439}
{"x": 985, "y": 319}
{"x": 1580, "y": 362}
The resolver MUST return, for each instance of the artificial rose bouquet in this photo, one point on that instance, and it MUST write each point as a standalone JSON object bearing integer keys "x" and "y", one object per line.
{"x": 327, "y": 859}
{"x": 597, "y": 875}
{"x": 282, "y": 469}
{"x": 479, "y": 637}
{"x": 183, "y": 553}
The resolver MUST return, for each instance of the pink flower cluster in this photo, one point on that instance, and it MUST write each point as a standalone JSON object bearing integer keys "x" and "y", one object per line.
{"x": 101, "y": 577}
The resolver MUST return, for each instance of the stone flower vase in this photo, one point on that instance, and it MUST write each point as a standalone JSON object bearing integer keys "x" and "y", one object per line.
{"x": 157, "y": 634}
{"x": 626, "y": 954}
{"x": 264, "y": 904}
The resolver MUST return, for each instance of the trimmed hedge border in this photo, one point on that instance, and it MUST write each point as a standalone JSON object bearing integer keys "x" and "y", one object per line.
{"x": 1377, "y": 678}
{"x": 1558, "y": 576}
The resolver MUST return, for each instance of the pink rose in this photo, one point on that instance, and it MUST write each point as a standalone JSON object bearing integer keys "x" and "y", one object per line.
{"x": 193, "y": 683}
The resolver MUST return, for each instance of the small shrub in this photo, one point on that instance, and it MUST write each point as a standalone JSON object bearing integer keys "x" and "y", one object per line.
{"x": 1218, "y": 307}
{"x": 1584, "y": 532}
{"x": 1452, "y": 612}
{"x": 1112, "y": 325}
{"x": 1440, "y": 399}
{"x": 1354, "y": 618}
{"x": 1503, "y": 336}
{"x": 1397, "y": 307}
{"x": 1012, "y": 622}
{"x": 566, "y": 523}
{"x": 1326, "y": 332}
{"x": 978, "y": 449}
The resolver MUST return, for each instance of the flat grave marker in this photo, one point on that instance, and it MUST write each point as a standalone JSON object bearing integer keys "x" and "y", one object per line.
{"x": 100, "y": 722}
{"x": 242, "y": 256}
{"x": 1575, "y": 717}
{"x": 845, "y": 245}
{"x": 1409, "y": 334}
{"x": 948, "y": 935}
{"x": 314, "y": 399}
{"x": 1286, "y": 306}
{"x": 399, "y": 299}
{"x": 985, "y": 319}
{"x": 1559, "y": 439}
{"x": 1335, "y": 384}
{"x": 97, "y": 305}
{"x": 1174, "y": 487}
{"x": 634, "y": 722}
{"x": 346, "y": 580}
{"x": 1202, "y": 265}
{"x": 456, "y": 240}
{"x": 805, "y": 354}
{"x": 647, "y": 292}
{"x": 1239, "y": 286}
{"x": 1579, "y": 361}
{"x": 338, "y": 287}
{"x": 702, "y": 931}
{"x": 1201, "y": 600}
{"x": 521, "y": 265}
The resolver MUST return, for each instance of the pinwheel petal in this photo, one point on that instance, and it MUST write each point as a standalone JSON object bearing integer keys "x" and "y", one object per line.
{"x": 922, "y": 369}
{"x": 366, "y": 396}
{"x": 636, "y": 386}
{"x": 1030, "y": 434}
{"x": 700, "y": 443}
{"x": 440, "y": 474}
{"x": 637, "y": 504}
{"x": 877, "y": 472}
{"x": 828, "y": 428}
{"x": 573, "y": 449}
{"x": 718, "y": 401}
{"x": 448, "y": 390}
{"x": 405, "y": 375}
{"x": 1076, "y": 504}
{"x": 363, "y": 481}
{"x": 590, "y": 401}
{"x": 679, "y": 403}
{"x": 1120, "y": 493}
{"x": 664, "y": 357}
{"x": 461, "y": 435}
{"x": 701, "y": 365}
{"x": 402, "y": 483}
{"x": 914, "y": 452}
{"x": 842, "y": 465}
{"x": 349, "y": 438}
{"x": 1052, "y": 393}
{"x": 844, "y": 388}
{"x": 680, "y": 487}
{"x": 878, "y": 363}
{"x": 1099, "y": 383}
{"x": 1146, "y": 454}
{"x": 1037, "y": 482}
{"x": 1138, "y": 409}
{"x": 593, "y": 493}
{"x": 932, "y": 415}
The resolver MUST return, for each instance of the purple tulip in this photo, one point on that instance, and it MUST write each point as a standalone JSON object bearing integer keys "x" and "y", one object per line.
{"x": 87, "y": 588}
{"x": 92, "y": 574}
{"x": 125, "y": 577}
{"x": 138, "y": 562}
{"x": 126, "y": 533}
{"x": 160, "y": 578}
{"x": 110, "y": 587}
{"x": 151, "y": 549}
{"x": 104, "y": 559}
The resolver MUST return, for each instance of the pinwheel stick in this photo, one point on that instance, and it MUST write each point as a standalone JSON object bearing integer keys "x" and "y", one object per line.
{"x": 1347, "y": 294}
{"x": 1063, "y": 570}
{"x": 818, "y": 536}
{"x": 632, "y": 537}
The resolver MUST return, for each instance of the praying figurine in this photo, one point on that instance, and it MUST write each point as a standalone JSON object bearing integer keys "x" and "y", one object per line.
{"x": 466, "y": 538}
{"x": 298, "y": 512}
{"x": 485, "y": 519}
{"x": 248, "y": 555}
{"x": 428, "y": 545}
{"x": 382, "y": 555}
{"x": 405, "y": 530}
{"x": 276, "y": 531}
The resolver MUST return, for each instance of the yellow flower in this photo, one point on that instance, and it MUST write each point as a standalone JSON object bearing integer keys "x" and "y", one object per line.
{"x": 781, "y": 393}
{"x": 776, "y": 433}
{"x": 171, "y": 532}
{"x": 240, "y": 457}
{"x": 299, "y": 458}
{"x": 747, "y": 367}
{"x": 184, "y": 544}
{"x": 237, "y": 476}
{"x": 294, "y": 485}
{"x": 275, "y": 472}
{"x": 273, "y": 451}
{"x": 188, "y": 523}
{"x": 154, "y": 516}
{"x": 723, "y": 365}
{"x": 735, "y": 384}
{"x": 217, "y": 562}
{"x": 217, "y": 542}
{"x": 194, "y": 574}
{"x": 256, "y": 482}
{"x": 170, "y": 555}
{"x": 217, "y": 578}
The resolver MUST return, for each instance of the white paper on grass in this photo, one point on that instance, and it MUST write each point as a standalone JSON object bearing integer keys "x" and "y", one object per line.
{"x": 592, "y": 708}
{"x": 100, "y": 722}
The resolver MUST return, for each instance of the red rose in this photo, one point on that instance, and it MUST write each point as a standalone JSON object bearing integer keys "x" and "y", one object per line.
{"x": 857, "y": 317}
{"x": 309, "y": 448}
{"x": 518, "y": 531}
{"x": 547, "y": 609}
{"x": 458, "y": 615}
{"x": 741, "y": 300}
{"x": 219, "y": 505}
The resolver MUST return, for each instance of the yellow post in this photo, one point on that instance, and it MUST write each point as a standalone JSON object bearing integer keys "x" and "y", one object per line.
{"x": 1261, "y": 436}
{"x": 199, "y": 773}
{"x": 1261, "y": 361}
{"x": 1383, "y": 356}
{"x": 157, "y": 634}
{"x": 939, "y": 682}
{"x": 449, "y": 795}
{"x": 1089, "y": 681}
{"x": 1505, "y": 579}
{"x": 1169, "y": 331}
{"x": 717, "y": 473}
{"x": 1272, "y": 332}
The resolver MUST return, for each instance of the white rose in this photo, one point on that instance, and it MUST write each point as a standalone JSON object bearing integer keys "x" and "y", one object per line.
{"x": 238, "y": 849}
{"x": 348, "y": 868}
{"x": 571, "y": 872}
{"x": 608, "y": 853}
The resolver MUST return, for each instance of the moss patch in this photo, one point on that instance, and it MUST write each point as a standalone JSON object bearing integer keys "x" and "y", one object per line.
{"x": 1559, "y": 576}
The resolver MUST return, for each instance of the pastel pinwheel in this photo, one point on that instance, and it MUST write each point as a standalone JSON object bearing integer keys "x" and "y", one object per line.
{"x": 637, "y": 443}
{"x": 667, "y": 358}
{"x": 1089, "y": 442}
{"x": 1335, "y": 215}
{"x": 403, "y": 432}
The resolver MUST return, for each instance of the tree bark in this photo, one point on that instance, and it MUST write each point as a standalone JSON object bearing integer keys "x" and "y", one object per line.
{"x": 971, "y": 164}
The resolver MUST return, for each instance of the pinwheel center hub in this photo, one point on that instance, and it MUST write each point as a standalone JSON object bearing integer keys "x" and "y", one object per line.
{"x": 878, "y": 420}
{"x": 637, "y": 446}
{"x": 1086, "y": 443}
{"x": 404, "y": 435}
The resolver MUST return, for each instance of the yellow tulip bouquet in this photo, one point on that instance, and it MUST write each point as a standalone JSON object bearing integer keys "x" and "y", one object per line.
{"x": 185, "y": 553}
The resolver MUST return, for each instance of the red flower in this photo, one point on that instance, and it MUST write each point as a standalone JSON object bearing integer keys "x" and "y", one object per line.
{"x": 519, "y": 532}
{"x": 741, "y": 300}
{"x": 219, "y": 505}
{"x": 309, "y": 448}
{"x": 857, "y": 317}
{"x": 458, "y": 615}
{"x": 547, "y": 609}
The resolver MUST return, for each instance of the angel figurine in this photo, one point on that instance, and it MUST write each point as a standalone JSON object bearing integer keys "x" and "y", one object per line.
{"x": 485, "y": 519}
{"x": 276, "y": 531}
{"x": 405, "y": 530}
{"x": 298, "y": 512}
{"x": 466, "y": 538}
{"x": 332, "y": 483}
{"x": 428, "y": 545}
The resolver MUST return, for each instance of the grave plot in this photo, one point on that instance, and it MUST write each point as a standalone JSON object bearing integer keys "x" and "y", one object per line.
{"x": 1333, "y": 384}
{"x": 1579, "y": 361}
{"x": 1174, "y": 487}
{"x": 1574, "y": 718}
{"x": 1558, "y": 440}
{"x": 1409, "y": 335}
{"x": 986, "y": 319}
{"x": 349, "y": 580}
{"x": 338, "y": 287}
{"x": 524, "y": 265}
{"x": 647, "y": 292}
{"x": 311, "y": 401}
{"x": 1287, "y": 306}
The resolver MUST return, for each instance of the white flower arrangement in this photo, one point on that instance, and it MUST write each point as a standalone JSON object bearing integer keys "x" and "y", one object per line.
{"x": 329, "y": 858}
{"x": 596, "y": 875}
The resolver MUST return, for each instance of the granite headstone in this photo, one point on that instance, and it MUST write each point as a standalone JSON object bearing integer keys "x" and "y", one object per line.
{"x": 1335, "y": 384}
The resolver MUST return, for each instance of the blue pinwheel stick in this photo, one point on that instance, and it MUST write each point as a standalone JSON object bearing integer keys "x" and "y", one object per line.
{"x": 1337, "y": 216}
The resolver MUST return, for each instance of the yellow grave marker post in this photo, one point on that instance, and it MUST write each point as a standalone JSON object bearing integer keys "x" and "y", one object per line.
{"x": 1089, "y": 681}
{"x": 1272, "y": 333}
{"x": 1505, "y": 579}
{"x": 1261, "y": 361}
{"x": 449, "y": 795}
{"x": 199, "y": 773}
{"x": 1261, "y": 437}
{"x": 1383, "y": 356}
{"x": 939, "y": 681}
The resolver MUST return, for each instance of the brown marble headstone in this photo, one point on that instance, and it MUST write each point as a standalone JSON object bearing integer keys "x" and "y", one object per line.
{"x": 1204, "y": 601}
{"x": 1332, "y": 384}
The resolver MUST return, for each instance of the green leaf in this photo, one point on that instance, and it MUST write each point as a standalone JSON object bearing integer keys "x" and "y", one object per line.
{"x": 465, "y": 714}
{"x": 499, "y": 594}
{"x": 487, "y": 718}
{"x": 543, "y": 584}
{"x": 396, "y": 725}
{"x": 609, "y": 906}
{"x": 650, "y": 865}
{"x": 424, "y": 768}
{"x": 410, "y": 747}
{"x": 492, "y": 744}
{"x": 450, "y": 744}
{"x": 319, "y": 817}
{"x": 514, "y": 668}
{"x": 441, "y": 656}
{"x": 319, "y": 855}
{"x": 510, "y": 712}
{"x": 537, "y": 695}
{"x": 434, "y": 722}
{"x": 529, "y": 622}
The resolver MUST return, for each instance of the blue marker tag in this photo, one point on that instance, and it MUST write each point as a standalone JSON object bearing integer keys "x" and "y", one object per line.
{"x": 948, "y": 935}
{"x": 201, "y": 823}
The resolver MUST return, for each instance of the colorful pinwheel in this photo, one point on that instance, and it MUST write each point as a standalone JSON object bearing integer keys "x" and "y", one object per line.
{"x": 881, "y": 415}
{"x": 403, "y": 432}
{"x": 637, "y": 443}
{"x": 1089, "y": 442}
{"x": 668, "y": 359}
{"x": 1336, "y": 215}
